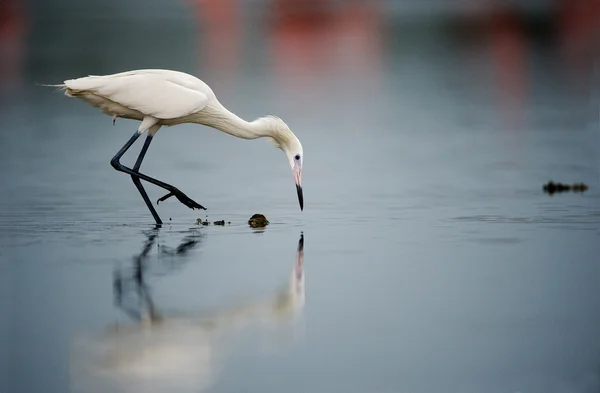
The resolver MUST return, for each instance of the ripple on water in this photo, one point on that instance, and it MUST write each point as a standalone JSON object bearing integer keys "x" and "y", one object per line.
{"x": 580, "y": 221}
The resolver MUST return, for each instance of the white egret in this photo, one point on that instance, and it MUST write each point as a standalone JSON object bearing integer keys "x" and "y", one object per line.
{"x": 165, "y": 98}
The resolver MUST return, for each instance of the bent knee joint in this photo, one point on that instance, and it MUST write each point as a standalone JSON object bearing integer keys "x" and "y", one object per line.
{"x": 115, "y": 163}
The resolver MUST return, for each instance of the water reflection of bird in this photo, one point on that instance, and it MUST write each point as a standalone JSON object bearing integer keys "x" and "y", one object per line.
{"x": 182, "y": 352}
{"x": 139, "y": 305}
{"x": 166, "y": 98}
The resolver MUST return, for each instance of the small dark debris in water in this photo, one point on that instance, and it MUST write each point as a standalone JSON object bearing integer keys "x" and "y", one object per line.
{"x": 579, "y": 187}
{"x": 200, "y": 222}
{"x": 552, "y": 187}
{"x": 258, "y": 221}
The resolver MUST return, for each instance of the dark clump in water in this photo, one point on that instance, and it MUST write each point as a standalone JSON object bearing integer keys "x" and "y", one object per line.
{"x": 200, "y": 221}
{"x": 258, "y": 221}
{"x": 579, "y": 187}
{"x": 552, "y": 187}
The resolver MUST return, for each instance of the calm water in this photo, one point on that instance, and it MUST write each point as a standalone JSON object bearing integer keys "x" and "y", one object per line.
{"x": 432, "y": 260}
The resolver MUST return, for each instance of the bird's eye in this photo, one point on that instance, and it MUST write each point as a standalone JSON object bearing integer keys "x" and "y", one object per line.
{"x": 297, "y": 157}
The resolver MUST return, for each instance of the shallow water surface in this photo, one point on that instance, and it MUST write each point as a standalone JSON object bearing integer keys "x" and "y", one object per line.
{"x": 427, "y": 258}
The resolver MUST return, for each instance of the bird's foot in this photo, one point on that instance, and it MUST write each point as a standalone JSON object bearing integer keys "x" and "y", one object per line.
{"x": 182, "y": 198}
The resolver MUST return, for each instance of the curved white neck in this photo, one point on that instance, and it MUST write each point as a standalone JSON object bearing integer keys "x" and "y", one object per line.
{"x": 219, "y": 117}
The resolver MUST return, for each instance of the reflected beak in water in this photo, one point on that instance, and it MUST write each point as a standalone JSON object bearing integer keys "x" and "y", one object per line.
{"x": 297, "y": 172}
{"x": 300, "y": 258}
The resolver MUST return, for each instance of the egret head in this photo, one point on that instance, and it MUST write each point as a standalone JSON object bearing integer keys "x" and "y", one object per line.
{"x": 295, "y": 156}
{"x": 283, "y": 138}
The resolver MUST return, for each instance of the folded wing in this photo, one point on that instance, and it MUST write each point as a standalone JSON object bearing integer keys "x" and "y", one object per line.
{"x": 163, "y": 95}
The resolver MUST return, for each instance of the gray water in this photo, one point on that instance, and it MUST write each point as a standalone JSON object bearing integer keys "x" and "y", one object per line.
{"x": 432, "y": 260}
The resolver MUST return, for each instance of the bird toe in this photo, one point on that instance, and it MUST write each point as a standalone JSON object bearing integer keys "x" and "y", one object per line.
{"x": 181, "y": 197}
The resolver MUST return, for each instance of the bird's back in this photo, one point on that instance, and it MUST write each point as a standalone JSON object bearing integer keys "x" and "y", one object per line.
{"x": 164, "y": 94}
{"x": 95, "y": 82}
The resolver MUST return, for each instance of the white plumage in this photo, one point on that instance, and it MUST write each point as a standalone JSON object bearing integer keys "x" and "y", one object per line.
{"x": 165, "y": 98}
{"x": 162, "y": 94}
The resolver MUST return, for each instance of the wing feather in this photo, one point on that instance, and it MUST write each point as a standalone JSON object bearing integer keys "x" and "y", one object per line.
{"x": 166, "y": 95}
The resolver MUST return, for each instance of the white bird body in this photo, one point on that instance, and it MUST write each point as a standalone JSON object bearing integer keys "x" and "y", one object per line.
{"x": 165, "y": 98}
{"x": 162, "y": 94}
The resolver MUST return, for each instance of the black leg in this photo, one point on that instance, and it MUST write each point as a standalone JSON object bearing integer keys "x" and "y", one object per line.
{"x": 117, "y": 157}
{"x": 172, "y": 190}
{"x": 138, "y": 183}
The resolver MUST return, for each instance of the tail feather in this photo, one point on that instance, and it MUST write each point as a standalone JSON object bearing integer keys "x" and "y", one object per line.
{"x": 59, "y": 88}
{"x": 62, "y": 85}
{"x": 87, "y": 83}
{"x": 73, "y": 86}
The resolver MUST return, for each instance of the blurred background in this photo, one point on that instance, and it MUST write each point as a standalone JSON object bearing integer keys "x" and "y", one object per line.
{"x": 297, "y": 42}
{"x": 435, "y": 261}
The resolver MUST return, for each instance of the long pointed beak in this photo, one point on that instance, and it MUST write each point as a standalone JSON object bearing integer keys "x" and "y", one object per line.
{"x": 300, "y": 197}
{"x": 298, "y": 180}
